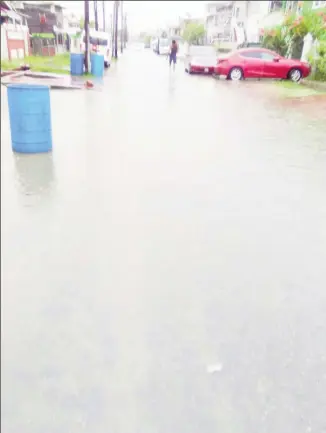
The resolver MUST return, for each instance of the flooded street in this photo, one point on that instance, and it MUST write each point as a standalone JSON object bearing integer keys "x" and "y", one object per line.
{"x": 163, "y": 270}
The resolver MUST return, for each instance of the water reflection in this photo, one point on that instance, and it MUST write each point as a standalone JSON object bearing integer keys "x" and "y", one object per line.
{"x": 35, "y": 174}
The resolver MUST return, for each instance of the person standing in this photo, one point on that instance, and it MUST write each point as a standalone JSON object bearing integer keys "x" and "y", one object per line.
{"x": 173, "y": 53}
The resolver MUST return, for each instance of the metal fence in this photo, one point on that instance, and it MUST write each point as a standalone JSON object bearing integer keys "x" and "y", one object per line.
{"x": 43, "y": 47}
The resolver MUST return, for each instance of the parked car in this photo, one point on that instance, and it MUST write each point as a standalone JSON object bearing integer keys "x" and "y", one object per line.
{"x": 260, "y": 63}
{"x": 99, "y": 43}
{"x": 250, "y": 45}
{"x": 200, "y": 59}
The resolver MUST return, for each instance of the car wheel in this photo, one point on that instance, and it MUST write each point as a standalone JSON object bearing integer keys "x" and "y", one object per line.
{"x": 106, "y": 65}
{"x": 295, "y": 75}
{"x": 236, "y": 74}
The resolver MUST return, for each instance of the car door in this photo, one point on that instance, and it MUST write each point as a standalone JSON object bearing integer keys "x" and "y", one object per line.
{"x": 253, "y": 64}
{"x": 274, "y": 66}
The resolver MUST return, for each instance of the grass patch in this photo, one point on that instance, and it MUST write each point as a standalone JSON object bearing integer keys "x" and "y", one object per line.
{"x": 59, "y": 64}
{"x": 289, "y": 89}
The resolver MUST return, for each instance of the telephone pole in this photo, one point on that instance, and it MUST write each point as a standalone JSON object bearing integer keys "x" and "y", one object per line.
{"x": 86, "y": 28}
{"x": 103, "y": 12}
{"x": 116, "y": 19}
{"x": 95, "y": 15}
{"x": 112, "y": 30}
{"x": 125, "y": 32}
{"x": 122, "y": 26}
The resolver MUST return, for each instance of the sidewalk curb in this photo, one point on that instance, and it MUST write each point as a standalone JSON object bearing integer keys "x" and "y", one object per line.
{"x": 316, "y": 85}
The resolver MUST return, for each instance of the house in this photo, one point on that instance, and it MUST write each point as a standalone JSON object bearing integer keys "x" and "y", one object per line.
{"x": 239, "y": 21}
{"x": 259, "y": 15}
{"x": 218, "y": 20}
{"x": 173, "y": 30}
{"x": 15, "y": 41}
{"x": 46, "y": 26}
{"x": 71, "y": 21}
{"x": 300, "y": 6}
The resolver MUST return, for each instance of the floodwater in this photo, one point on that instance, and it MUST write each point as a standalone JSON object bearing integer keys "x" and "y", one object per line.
{"x": 163, "y": 270}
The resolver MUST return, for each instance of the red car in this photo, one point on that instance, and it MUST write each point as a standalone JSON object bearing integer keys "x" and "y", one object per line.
{"x": 260, "y": 63}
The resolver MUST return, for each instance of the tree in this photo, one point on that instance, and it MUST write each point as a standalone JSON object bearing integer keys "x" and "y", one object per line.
{"x": 194, "y": 33}
{"x": 82, "y": 24}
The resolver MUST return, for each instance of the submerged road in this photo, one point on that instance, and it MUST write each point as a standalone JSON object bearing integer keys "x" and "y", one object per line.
{"x": 163, "y": 270}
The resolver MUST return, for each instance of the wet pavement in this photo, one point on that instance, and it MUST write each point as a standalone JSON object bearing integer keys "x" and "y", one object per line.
{"x": 164, "y": 269}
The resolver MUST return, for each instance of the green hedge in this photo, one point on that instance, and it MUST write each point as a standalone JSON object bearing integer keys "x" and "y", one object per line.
{"x": 319, "y": 63}
{"x": 43, "y": 35}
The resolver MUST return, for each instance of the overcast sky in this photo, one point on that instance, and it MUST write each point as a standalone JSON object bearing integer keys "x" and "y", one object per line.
{"x": 146, "y": 15}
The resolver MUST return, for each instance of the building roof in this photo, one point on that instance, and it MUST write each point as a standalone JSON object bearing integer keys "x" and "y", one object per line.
{"x": 45, "y": 3}
{"x": 8, "y": 11}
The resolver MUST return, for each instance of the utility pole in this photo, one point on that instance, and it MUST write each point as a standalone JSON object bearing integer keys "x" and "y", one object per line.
{"x": 125, "y": 31}
{"x": 95, "y": 15}
{"x": 122, "y": 27}
{"x": 116, "y": 19}
{"x": 112, "y": 30}
{"x": 103, "y": 12}
{"x": 86, "y": 28}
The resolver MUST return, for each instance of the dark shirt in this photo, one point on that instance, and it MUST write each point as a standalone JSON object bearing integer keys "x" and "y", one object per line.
{"x": 174, "y": 48}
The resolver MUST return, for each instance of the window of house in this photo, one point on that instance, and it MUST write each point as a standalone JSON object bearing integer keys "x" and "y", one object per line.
{"x": 318, "y": 4}
{"x": 275, "y": 6}
{"x": 292, "y": 6}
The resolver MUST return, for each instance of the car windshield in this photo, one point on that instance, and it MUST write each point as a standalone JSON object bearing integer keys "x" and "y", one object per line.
{"x": 97, "y": 41}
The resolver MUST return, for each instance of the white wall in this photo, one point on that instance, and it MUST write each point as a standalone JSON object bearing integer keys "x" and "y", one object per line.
{"x": 17, "y": 32}
{"x": 4, "y": 46}
{"x": 256, "y": 12}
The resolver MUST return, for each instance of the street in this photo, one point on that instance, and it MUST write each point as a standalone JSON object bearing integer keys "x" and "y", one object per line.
{"x": 163, "y": 270}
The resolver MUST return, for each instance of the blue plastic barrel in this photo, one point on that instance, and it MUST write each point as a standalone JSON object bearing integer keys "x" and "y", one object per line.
{"x": 30, "y": 118}
{"x": 76, "y": 63}
{"x": 97, "y": 65}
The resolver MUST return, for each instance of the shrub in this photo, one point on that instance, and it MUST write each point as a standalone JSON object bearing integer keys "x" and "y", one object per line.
{"x": 275, "y": 40}
{"x": 318, "y": 62}
{"x": 320, "y": 73}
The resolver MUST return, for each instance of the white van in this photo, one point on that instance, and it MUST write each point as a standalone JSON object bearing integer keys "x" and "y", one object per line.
{"x": 200, "y": 59}
{"x": 99, "y": 42}
{"x": 164, "y": 46}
